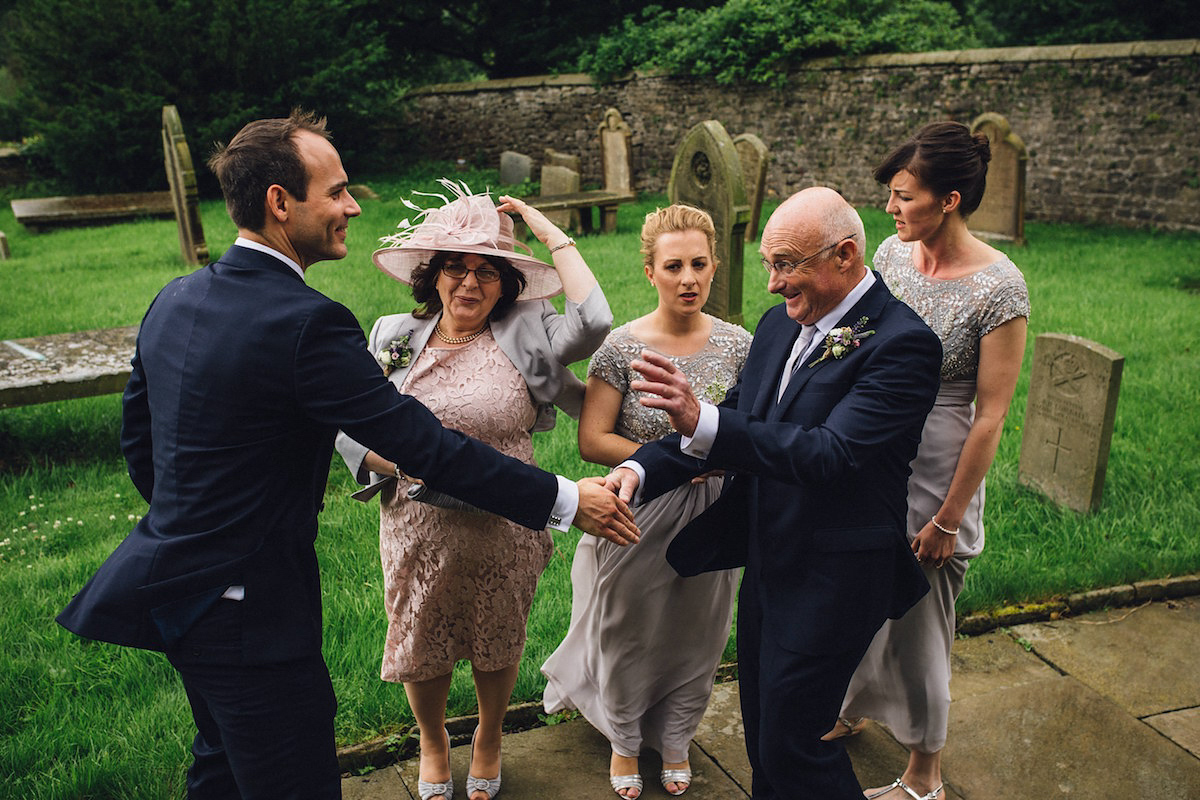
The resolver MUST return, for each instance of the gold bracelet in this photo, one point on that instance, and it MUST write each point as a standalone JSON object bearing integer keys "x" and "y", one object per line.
{"x": 946, "y": 531}
{"x": 568, "y": 243}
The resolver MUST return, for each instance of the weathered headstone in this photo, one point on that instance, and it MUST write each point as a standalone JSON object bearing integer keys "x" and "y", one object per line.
{"x": 754, "y": 155}
{"x": 615, "y": 153}
{"x": 515, "y": 168}
{"x": 708, "y": 175}
{"x": 553, "y": 158}
{"x": 561, "y": 180}
{"x": 5, "y": 253}
{"x": 181, "y": 176}
{"x": 1068, "y": 427}
{"x": 1001, "y": 214}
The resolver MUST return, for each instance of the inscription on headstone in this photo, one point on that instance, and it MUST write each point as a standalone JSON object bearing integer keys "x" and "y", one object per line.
{"x": 515, "y": 168}
{"x": 753, "y": 155}
{"x": 562, "y": 180}
{"x": 708, "y": 175}
{"x": 181, "y": 177}
{"x": 1001, "y": 214}
{"x": 1068, "y": 427}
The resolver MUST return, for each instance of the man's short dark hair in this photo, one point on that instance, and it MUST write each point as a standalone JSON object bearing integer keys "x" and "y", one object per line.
{"x": 261, "y": 154}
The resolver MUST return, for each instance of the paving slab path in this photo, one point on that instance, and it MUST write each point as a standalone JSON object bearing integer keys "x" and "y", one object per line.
{"x": 1103, "y": 705}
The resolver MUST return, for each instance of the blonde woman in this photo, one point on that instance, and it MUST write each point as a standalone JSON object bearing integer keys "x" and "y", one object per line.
{"x": 644, "y": 644}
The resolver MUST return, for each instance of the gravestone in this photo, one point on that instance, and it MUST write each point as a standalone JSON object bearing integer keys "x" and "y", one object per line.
{"x": 63, "y": 366}
{"x": 753, "y": 155}
{"x": 562, "y": 180}
{"x": 5, "y": 253}
{"x": 361, "y": 191}
{"x": 181, "y": 177}
{"x": 615, "y": 152}
{"x": 1069, "y": 417}
{"x": 553, "y": 158}
{"x": 707, "y": 174}
{"x": 515, "y": 168}
{"x": 1001, "y": 214}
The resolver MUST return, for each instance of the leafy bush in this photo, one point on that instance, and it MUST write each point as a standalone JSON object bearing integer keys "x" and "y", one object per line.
{"x": 760, "y": 40}
{"x": 95, "y": 74}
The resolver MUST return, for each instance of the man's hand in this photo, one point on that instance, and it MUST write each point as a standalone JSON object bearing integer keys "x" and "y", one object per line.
{"x": 669, "y": 391}
{"x": 623, "y": 482}
{"x": 601, "y": 513}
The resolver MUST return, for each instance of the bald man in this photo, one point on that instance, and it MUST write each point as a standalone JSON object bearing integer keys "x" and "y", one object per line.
{"x": 816, "y": 439}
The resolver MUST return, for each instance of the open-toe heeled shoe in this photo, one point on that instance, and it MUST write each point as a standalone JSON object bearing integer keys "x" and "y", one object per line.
{"x": 899, "y": 784}
{"x": 626, "y": 782}
{"x": 428, "y": 789}
{"x": 845, "y": 726}
{"x": 676, "y": 776}
{"x": 491, "y": 787}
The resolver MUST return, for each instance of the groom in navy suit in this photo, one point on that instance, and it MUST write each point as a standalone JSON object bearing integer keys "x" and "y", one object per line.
{"x": 241, "y": 379}
{"x": 816, "y": 439}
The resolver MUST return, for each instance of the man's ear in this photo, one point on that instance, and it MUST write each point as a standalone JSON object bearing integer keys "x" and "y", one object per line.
{"x": 278, "y": 202}
{"x": 847, "y": 252}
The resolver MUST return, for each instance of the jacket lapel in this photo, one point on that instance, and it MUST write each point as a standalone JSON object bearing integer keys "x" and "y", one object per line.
{"x": 775, "y": 359}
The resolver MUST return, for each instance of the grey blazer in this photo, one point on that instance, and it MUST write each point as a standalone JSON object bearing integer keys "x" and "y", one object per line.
{"x": 538, "y": 340}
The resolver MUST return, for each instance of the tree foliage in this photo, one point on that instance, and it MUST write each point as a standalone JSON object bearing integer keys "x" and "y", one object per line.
{"x": 95, "y": 75}
{"x": 1003, "y": 23}
{"x": 759, "y": 40}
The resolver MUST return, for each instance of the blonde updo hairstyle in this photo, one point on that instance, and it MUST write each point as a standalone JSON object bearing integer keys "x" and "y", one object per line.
{"x": 672, "y": 219}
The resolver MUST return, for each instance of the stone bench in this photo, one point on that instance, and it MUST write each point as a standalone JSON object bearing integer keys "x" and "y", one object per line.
{"x": 64, "y": 366}
{"x": 603, "y": 199}
{"x": 40, "y": 213}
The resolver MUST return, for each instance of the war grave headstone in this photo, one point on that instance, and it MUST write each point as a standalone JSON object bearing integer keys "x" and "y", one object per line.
{"x": 1069, "y": 416}
{"x": 1001, "y": 214}
{"x": 515, "y": 168}
{"x": 708, "y": 175}
{"x": 754, "y": 156}
{"x": 560, "y": 175}
{"x": 185, "y": 198}
{"x": 5, "y": 253}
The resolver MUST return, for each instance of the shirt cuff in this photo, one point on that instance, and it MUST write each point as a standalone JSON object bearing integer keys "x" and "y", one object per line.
{"x": 565, "y": 505}
{"x": 640, "y": 471}
{"x": 700, "y": 443}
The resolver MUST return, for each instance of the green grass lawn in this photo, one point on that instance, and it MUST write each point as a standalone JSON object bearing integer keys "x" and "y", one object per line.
{"x": 92, "y": 720}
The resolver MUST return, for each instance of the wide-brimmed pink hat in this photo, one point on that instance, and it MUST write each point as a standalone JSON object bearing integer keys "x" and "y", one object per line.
{"x": 469, "y": 223}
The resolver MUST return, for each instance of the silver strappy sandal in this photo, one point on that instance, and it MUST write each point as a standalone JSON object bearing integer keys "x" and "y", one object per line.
{"x": 491, "y": 786}
{"x": 676, "y": 776}
{"x": 427, "y": 789}
{"x": 899, "y": 784}
{"x": 620, "y": 782}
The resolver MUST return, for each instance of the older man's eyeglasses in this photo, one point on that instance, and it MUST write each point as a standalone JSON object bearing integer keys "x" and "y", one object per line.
{"x": 788, "y": 267}
{"x": 458, "y": 271}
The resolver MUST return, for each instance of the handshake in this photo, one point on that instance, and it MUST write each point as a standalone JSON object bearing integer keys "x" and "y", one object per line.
{"x": 604, "y": 507}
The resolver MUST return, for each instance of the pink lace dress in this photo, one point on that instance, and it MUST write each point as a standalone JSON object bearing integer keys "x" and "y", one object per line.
{"x": 459, "y": 584}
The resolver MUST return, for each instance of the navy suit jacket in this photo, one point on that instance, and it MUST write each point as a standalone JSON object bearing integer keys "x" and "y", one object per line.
{"x": 815, "y": 494}
{"x": 241, "y": 379}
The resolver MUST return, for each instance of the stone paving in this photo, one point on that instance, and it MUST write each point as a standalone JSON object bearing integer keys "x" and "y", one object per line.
{"x": 1103, "y": 705}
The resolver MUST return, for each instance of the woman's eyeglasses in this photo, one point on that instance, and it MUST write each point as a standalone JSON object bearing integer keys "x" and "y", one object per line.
{"x": 482, "y": 274}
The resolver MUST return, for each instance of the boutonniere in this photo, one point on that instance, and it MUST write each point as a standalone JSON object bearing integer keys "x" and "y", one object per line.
{"x": 714, "y": 393}
{"x": 840, "y": 341}
{"x": 396, "y": 354}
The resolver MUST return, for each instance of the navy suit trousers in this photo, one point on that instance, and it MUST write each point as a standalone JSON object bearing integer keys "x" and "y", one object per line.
{"x": 264, "y": 730}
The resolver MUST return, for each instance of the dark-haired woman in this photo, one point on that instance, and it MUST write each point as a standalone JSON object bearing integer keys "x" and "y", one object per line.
{"x": 975, "y": 299}
{"x": 487, "y": 354}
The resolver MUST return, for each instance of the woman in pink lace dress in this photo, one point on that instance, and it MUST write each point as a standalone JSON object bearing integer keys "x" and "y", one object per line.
{"x": 487, "y": 354}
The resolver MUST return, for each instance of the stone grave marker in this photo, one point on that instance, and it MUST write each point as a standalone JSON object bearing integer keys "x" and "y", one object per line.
{"x": 515, "y": 168}
{"x": 615, "y": 152}
{"x": 5, "y": 253}
{"x": 1068, "y": 426}
{"x": 753, "y": 155}
{"x": 1001, "y": 214}
{"x": 185, "y": 198}
{"x": 708, "y": 175}
{"x": 562, "y": 180}
{"x": 554, "y": 158}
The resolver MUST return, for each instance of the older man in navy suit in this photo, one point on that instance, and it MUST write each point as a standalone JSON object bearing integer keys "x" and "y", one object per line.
{"x": 241, "y": 379}
{"x": 816, "y": 438}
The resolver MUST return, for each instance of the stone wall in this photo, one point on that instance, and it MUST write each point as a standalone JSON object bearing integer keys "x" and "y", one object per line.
{"x": 1111, "y": 130}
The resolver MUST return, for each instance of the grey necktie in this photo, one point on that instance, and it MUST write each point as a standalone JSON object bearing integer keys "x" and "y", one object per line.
{"x": 803, "y": 341}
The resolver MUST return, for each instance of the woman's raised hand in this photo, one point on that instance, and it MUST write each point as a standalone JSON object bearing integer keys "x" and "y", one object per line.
{"x": 546, "y": 231}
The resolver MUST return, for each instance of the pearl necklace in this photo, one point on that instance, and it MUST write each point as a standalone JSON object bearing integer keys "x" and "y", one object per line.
{"x": 437, "y": 328}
